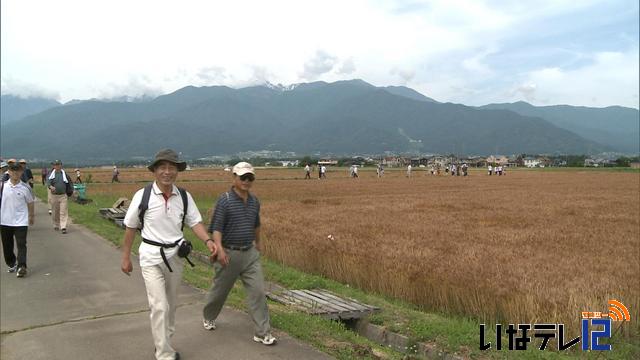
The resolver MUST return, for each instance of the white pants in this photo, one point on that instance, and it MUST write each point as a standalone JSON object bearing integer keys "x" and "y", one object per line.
{"x": 60, "y": 212}
{"x": 162, "y": 293}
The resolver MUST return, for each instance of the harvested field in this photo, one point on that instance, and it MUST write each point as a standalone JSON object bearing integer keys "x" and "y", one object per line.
{"x": 530, "y": 246}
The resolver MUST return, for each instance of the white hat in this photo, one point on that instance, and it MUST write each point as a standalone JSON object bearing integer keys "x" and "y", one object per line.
{"x": 242, "y": 168}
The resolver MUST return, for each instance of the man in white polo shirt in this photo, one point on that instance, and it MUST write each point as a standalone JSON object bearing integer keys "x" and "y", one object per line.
{"x": 162, "y": 236}
{"x": 16, "y": 214}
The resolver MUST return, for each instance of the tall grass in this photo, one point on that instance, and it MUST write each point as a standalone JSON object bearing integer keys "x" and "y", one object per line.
{"x": 532, "y": 246}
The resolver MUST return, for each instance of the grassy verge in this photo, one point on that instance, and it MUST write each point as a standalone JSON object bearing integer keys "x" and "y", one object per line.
{"x": 454, "y": 335}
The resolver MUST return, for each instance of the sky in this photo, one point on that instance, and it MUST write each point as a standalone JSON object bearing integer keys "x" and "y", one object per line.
{"x": 545, "y": 52}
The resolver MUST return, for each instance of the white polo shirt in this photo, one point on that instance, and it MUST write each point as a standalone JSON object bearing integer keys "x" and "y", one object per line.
{"x": 162, "y": 222}
{"x": 15, "y": 198}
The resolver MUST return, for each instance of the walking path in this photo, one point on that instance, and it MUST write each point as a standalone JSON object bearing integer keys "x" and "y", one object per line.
{"x": 75, "y": 303}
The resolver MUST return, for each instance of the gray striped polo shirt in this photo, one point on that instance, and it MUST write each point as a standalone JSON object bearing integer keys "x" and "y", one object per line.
{"x": 236, "y": 220}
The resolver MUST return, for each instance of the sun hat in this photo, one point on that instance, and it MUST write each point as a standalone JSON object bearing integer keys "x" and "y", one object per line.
{"x": 15, "y": 167}
{"x": 242, "y": 168}
{"x": 170, "y": 156}
{"x": 22, "y": 161}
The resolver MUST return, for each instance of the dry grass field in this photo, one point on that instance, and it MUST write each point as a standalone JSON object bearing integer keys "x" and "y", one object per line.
{"x": 531, "y": 246}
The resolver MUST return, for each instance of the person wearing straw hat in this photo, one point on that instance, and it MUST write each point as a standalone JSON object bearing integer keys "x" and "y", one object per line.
{"x": 5, "y": 172}
{"x": 159, "y": 209}
{"x": 27, "y": 175}
{"x": 235, "y": 228}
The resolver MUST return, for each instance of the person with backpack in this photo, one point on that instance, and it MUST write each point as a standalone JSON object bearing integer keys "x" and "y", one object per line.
{"x": 16, "y": 214}
{"x": 60, "y": 187}
{"x": 235, "y": 228}
{"x": 160, "y": 210}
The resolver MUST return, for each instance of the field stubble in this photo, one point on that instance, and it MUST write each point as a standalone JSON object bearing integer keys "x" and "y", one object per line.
{"x": 531, "y": 246}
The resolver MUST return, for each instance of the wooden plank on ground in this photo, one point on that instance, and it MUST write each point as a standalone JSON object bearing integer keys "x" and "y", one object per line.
{"x": 306, "y": 295}
{"x": 353, "y": 306}
{"x": 361, "y": 306}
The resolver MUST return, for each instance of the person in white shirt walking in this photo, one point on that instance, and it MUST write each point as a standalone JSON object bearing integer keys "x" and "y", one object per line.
{"x": 16, "y": 215}
{"x": 168, "y": 208}
{"x": 307, "y": 171}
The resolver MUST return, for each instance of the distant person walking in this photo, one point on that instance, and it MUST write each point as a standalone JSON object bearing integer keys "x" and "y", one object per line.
{"x": 162, "y": 221}
{"x": 354, "y": 171}
{"x": 235, "y": 227}
{"x": 380, "y": 170}
{"x": 49, "y": 192}
{"x": 78, "y": 176}
{"x": 409, "y": 171}
{"x": 16, "y": 214}
{"x": 44, "y": 173}
{"x": 307, "y": 171}
{"x": 58, "y": 181}
{"x": 323, "y": 172}
{"x": 115, "y": 174}
{"x": 27, "y": 175}
{"x": 489, "y": 169}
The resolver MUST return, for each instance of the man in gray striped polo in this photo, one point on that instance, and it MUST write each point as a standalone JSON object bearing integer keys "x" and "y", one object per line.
{"x": 235, "y": 228}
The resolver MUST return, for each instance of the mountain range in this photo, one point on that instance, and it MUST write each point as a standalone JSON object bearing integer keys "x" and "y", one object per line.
{"x": 344, "y": 117}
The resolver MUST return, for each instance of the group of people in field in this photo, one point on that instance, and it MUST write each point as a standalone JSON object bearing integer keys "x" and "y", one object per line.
{"x": 497, "y": 170}
{"x": 452, "y": 169}
{"x": 159, "y": 211}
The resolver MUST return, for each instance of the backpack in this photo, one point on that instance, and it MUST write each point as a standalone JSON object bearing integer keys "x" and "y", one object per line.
{"x": 69, "y": 187}
{"x": 144, "y": 204}
{"x": 185, "y": 246}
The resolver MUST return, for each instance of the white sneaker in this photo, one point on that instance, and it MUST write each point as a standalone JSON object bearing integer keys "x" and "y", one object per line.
{"x": 13, "y": 268}
{"x": 266, "y": 340}
{"x": 209, "y": 324}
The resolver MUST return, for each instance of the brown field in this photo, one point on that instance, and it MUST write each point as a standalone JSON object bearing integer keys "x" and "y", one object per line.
{"x": 530, "y": 246}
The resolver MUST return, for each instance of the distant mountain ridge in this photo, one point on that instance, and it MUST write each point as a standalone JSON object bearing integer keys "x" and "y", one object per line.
{"x": 344, "y": 117}
{"x": 14, "y": 108}
{"x": 615, "y": 126}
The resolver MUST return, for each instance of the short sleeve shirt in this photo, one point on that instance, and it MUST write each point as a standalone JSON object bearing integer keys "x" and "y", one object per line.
{"x": 162, "y": 222}
{"x": 236, "y": 220}
{"x": 15, "y": 198}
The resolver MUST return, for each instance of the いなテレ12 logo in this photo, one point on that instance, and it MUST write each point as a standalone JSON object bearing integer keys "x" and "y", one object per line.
{"x": 595, "y": 326}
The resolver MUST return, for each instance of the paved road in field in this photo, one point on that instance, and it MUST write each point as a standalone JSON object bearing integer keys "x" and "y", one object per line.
{"x": 76, "y": 304}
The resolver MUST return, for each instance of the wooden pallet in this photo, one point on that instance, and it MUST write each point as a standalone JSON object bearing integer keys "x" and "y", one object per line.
{"x": 323, "y": 303}
{"x": 114, "y": 214}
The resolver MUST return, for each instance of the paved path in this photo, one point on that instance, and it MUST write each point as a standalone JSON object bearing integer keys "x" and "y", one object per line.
{"x": 76, "y": 304}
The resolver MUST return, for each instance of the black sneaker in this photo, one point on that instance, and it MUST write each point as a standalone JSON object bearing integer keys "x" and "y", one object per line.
{"x": 22, "y": 272}
{"x": 64, "y": 231}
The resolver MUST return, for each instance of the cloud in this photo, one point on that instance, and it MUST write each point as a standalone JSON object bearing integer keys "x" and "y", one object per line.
{"x": 135, "y": 86}
{"x": 212, "y": 75}
{"x": 405, "y": 74}
{"x": 321, "y": 63}
{"x": 528, "y": 91}
{"x": 347, "y": 67}
{"x": 611, "y": 78}
{"x": 11, "y": 86}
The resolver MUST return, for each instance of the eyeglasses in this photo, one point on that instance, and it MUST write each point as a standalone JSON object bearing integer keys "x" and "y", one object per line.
{"x": 247, "y": 177}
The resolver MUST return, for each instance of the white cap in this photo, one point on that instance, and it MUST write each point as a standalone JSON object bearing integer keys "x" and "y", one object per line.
{"x": 242, "y": 168}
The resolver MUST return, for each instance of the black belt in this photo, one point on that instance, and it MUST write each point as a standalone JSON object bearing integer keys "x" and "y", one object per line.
{"x": 238, "y": 248}
{"x": 162, "y": 247}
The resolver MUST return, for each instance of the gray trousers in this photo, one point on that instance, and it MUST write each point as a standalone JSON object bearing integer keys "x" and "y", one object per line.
{"x": 246, "y": 266}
